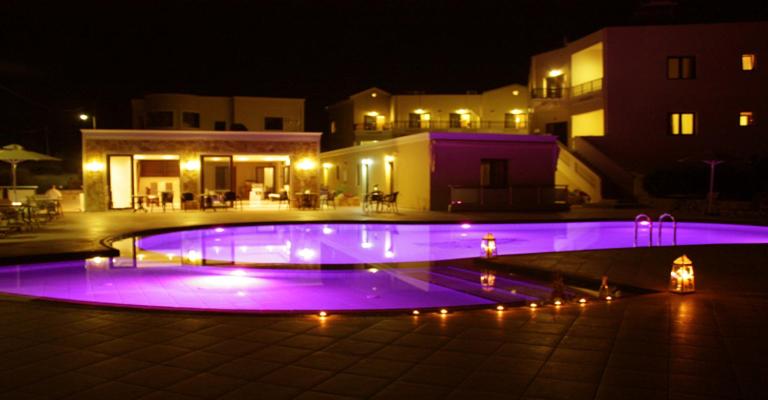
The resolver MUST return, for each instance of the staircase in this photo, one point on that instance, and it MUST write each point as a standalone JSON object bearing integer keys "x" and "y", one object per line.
{"x": 620, "y": 188}
{"x": 574, "y": 173}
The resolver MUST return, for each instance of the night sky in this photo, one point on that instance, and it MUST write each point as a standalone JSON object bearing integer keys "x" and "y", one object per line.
{"x": 61, "y": 58}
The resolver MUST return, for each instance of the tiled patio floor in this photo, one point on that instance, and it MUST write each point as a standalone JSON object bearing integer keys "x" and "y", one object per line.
{"x": 701, "y": 346}
{"x": 649, "y": 347}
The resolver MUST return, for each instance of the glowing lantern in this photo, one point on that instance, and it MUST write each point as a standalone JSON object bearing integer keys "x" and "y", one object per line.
{"x": 487, "y": 280}
{"x": 489, "y": 245}
{"x": 681, "y": 278}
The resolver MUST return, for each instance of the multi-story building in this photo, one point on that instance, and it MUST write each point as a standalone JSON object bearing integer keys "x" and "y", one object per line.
{"x": 631, "y": 100}
{"x": 192, "y": 112}
{"x": 374, "y": 114}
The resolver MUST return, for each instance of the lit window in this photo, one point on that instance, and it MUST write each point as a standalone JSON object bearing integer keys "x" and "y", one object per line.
{"x": 516, "y": 119}
{"x": 746, "y": 118}
{"x": 681, "y": 67}
{"x": 682, "y": 123}
{"x": 747, "y": 62}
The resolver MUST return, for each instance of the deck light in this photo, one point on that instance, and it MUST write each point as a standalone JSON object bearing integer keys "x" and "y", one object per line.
{"x": 443, "y": 311}
{"x": 533, "y": 305}
{"x": 322, "y": 314}
{"x": 681, "y": 278}
{"x": 487, "y": 280}
{"x": 465, "y": 226}
{"x": 415, "y": 312}
{"x": 488, "y": 245}
{"x": 499, "y": 308}
{"x": 582, "y": 301}
{"x": 608, "y": 298}
{"x": 558, "y": 303}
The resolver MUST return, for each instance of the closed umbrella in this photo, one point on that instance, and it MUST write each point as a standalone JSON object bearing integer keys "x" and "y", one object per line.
{"x": 14, "y": 154}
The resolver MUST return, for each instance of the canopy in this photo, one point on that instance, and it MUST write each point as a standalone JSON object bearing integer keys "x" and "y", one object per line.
{"x": 14, "y": 154}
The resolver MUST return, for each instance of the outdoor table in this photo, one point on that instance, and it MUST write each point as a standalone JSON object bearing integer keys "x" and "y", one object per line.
{"x": 307, "y": 200}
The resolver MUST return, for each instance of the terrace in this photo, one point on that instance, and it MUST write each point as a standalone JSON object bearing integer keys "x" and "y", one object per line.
{"x": 657, "y": 345}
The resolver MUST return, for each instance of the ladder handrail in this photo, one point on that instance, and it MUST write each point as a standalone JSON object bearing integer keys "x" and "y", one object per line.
{"x": 644, "y": 218}
{"x": 674, "y": 227}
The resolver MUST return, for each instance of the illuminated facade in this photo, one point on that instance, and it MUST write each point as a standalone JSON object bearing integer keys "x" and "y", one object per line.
{"x": 192, "y": 112}
{"x": 121, "y": 164}
{"x": 374, "y": 114}
{"x": 629, "y": 100}
{"x": 435, "y": 170}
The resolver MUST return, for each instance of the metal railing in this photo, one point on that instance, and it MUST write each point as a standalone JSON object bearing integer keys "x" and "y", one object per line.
{"x": 548, "y": 93}
{"x": 519, "y": 196}
{"x": 587, "y": 87}
{"x": 442, "y": 125}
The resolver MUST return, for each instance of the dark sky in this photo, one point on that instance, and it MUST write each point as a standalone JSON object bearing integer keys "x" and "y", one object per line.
{"x": 57, "y": 58}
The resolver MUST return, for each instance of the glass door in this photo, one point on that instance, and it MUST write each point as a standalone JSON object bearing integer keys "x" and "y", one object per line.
{"x": 120, "y": 178}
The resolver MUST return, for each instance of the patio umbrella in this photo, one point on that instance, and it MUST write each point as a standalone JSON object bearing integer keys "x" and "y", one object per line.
{"x": 14, "y": 154}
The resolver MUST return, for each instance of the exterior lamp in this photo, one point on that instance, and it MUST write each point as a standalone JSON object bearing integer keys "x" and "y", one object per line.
{"x": 85, "y": 117}
{"x": 488, "y": 245}
{"x": 554, "y": 73}
{"x": 306, "y": 164}
{"x": 487, "y": 280}
{"x": 192, "y": 165}
{"x": 94, "y": 166}
{"x": 366, "y": 161}
{"x": 681, "y": 278}
{"x": 327, "y": 165}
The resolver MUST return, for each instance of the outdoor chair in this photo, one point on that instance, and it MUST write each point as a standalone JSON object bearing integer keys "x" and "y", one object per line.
{"x": 284, "y": 198}
{"x": 328, "y": 200}
{"x": 230, "y": 198}
{"x": 390, "y": 202}
{"x": 166, "y": 198}
{"x": 186, "y": 198}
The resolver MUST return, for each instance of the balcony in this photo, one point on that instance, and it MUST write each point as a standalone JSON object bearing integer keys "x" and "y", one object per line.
{"x": 587, "y": 87}
{"x": 401, "y": 128}
{"x": 562, "y": 93}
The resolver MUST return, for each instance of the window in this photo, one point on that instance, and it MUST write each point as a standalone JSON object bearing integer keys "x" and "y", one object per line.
{"x": 681, "y": 67}
{"x": 220, "y": 126}
{"x": 746, "y": 118}
{"x": 273, "y": 123}
{"x": 515, "y": 120}
{"x": 747, "y": 62}
{"x": 682, "y": 123}
{"x": 190, "y": 119}
{"x": 493, "y": 173}
{"x": 160, "y": 119}
{"x": 369, "y": 123}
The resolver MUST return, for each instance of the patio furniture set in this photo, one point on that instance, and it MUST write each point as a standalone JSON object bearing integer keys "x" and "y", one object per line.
{"x": 380, "y": 202}
{"x": 17, "y": 217}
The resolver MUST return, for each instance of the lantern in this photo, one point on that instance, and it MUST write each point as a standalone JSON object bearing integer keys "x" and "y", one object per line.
{"x": 487, "y": 280}
{"x": 681, "y": 278}
{"x": 489, "y": 245}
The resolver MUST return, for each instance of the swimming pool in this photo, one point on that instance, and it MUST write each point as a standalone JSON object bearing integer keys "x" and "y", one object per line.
{"x": 332, "y": 267}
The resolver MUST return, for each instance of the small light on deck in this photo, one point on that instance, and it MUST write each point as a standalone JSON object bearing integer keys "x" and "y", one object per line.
{"x": 499, "y": 308}
{"x": 443, "y": 311}
{"x": 322, "y": 314}
{"x": 488, "y": 245}
{"x": 558, "y": 303}
{"x": 415, "y": 312}
{"x": 681, "y": 278}
{"x": 608, "y": 298}
{"x": 534, "y": 305}
{"x": 582, "y": 301}
{"x": 219, "y": 230}
{"x": 373, "y": 270}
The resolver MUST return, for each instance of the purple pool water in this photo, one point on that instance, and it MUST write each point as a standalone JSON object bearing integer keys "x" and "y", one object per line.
{"x": 332, "y": 267}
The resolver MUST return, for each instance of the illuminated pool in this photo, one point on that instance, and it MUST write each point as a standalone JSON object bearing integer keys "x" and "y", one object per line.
{"x": 333, "y": 267}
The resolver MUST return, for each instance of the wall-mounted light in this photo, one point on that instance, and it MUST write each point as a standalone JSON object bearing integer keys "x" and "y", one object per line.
{"x": 374, "y": 94}
{"x": 327, "y": 165}
{"x": 419, "y": 111}
{"x": 94, "y": 166}
{"x": 366, "y": 161}
{"x": 306, "y": 164}
{"x": 462, "y": 111}
{"x": 191, "y": 165}
{"x": 516, "y": 111}
{"x": 389, "y": 158}
{"x": 372, "y": 114}
{"x": 515, "y": 92}
{"x": 555, "y": 73}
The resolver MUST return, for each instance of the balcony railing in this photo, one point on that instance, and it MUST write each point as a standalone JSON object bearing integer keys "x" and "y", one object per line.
{"x": 574, "y": 91}
{"x": 408, "y": 126}
{"x": 507, "y": 198}
{"x": 587, "y": 87}
{"x": 548, "y": 93}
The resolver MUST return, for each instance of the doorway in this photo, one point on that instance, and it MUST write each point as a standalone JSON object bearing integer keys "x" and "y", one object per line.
{"x": 120, "y": 178}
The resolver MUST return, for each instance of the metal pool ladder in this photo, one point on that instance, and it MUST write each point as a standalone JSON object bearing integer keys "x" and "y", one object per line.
{"x": 668, "y": 216}
{"x": 639, "y": 219}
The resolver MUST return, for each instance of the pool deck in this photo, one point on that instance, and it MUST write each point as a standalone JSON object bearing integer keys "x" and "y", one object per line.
{"x": 706, "y": 345}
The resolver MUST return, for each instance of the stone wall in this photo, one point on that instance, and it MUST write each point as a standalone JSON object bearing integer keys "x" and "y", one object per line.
{"x": 97, "y": 150}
